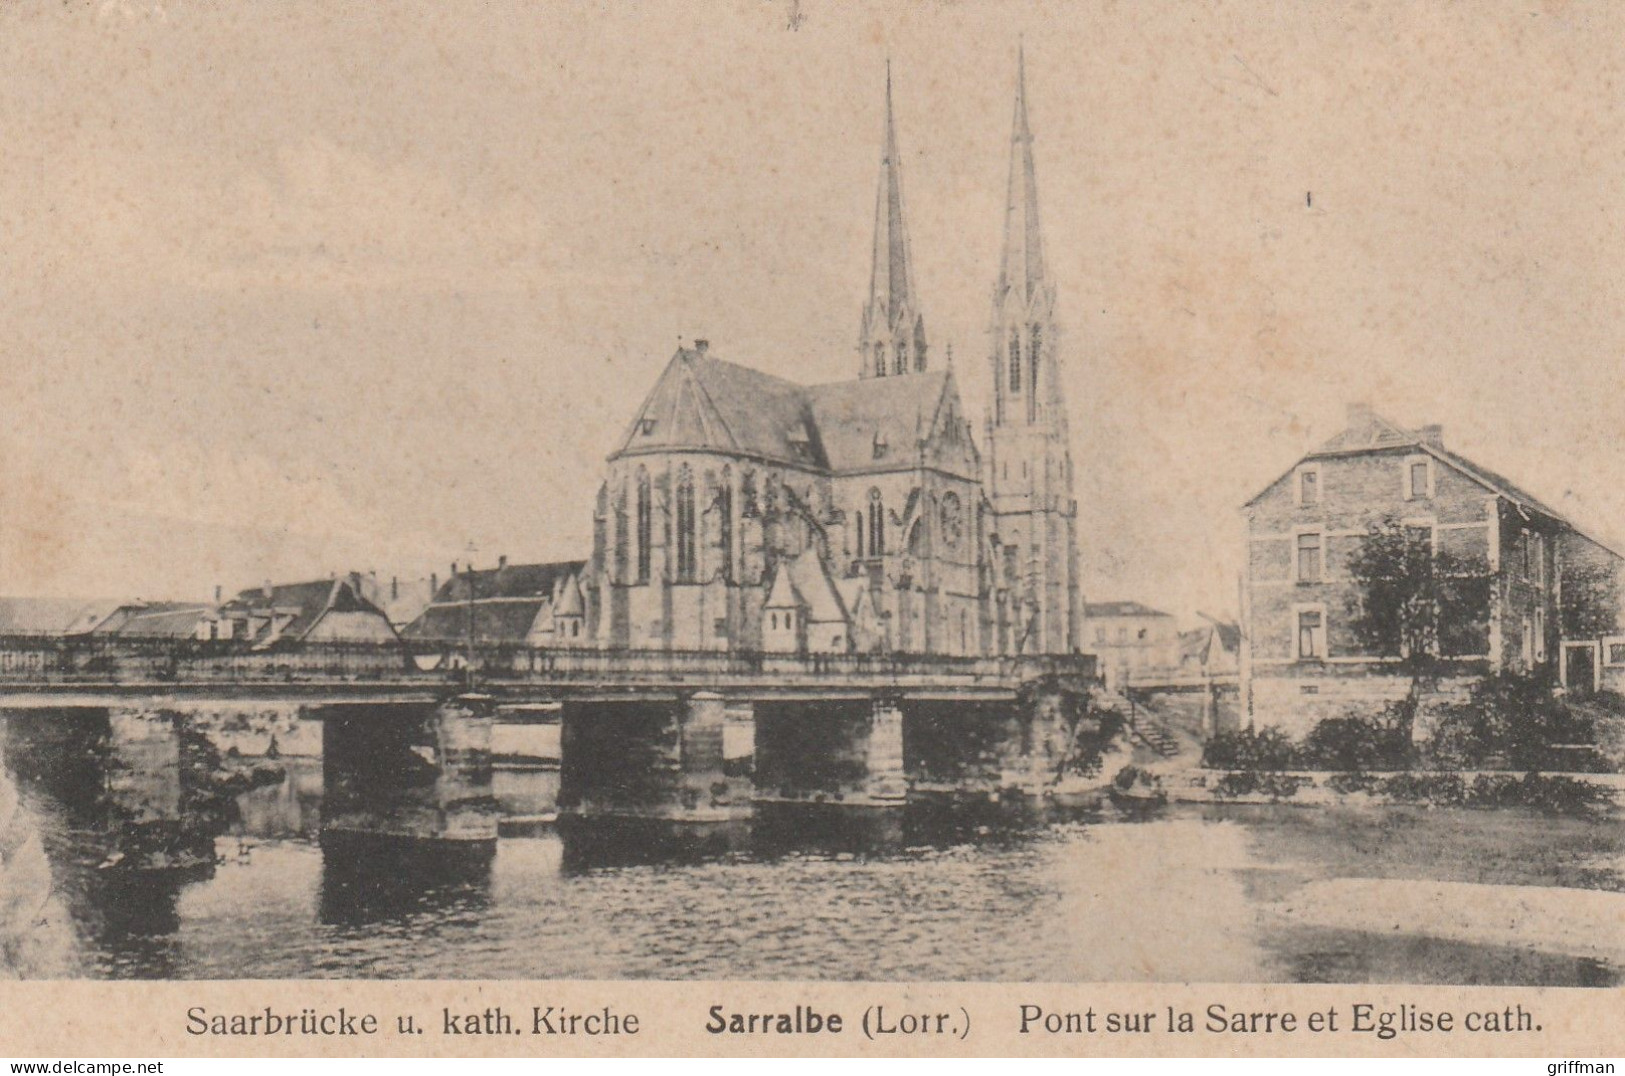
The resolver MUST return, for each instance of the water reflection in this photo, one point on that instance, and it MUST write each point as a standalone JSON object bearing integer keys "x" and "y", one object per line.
{"x": 368, "y": 881}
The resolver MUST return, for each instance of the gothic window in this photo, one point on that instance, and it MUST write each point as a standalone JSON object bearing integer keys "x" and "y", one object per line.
{"x": 877, "y": 525}
{"x": 952, "y": 521}
{"x": 859, "y": 518}
{"x": 1033, "y": 355}
{"x": 622, "y": 537}
{"x": 1015, "y": 360}
{"x": 725, "y": 505}
{"x": 880, "y": 360}
{"x": 900, "y": 358}
{"x": 645, "y": 510}
{"x": 685, "y": 525}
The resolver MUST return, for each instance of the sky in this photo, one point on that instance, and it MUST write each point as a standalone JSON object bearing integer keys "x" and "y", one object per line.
{"x": 289, "y": 289}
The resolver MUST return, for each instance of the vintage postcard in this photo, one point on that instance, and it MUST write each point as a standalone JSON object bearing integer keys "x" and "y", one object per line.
{"x": 812, "y": 528}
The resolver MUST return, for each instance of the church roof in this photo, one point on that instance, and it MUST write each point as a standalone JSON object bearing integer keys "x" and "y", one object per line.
{"x": 891, "y": 286}
{"x": 705, "y": 403}
{"x": 805, "y": 582}
{"x": 856, "y": 417}
{"x": 1021, "y": 267}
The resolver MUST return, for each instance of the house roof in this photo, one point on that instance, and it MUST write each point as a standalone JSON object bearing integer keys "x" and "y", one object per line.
{"x": 160, "y": 620}
{"x": 53, "y": 616}
{"x": 539, "y": 580}
{"x": 1105, "y": 609}
{"x": 494, "y": 622}
{"x": 1368, "y": 431}
{"x": 307, "y": 603}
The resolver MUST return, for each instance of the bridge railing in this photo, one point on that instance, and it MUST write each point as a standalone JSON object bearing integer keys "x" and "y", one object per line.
{"x": 95, "y": 659}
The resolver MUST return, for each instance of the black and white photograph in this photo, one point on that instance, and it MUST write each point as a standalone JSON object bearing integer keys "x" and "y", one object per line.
{"x": 792, "y": 491}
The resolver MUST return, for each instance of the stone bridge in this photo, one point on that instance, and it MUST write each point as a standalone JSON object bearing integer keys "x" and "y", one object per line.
{"x": 405, "y": 735}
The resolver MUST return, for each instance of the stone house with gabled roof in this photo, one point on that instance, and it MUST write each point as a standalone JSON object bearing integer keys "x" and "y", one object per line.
{"x": 538, "y": 605}
{"x": 318, "y": 611}
{"x": 1553, "y": 591}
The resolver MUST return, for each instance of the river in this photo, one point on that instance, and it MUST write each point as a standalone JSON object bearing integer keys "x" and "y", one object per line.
{"x": 1250, "y": 894}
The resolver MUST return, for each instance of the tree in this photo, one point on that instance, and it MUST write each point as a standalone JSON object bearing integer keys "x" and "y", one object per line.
{"x": 1416, "y": 606}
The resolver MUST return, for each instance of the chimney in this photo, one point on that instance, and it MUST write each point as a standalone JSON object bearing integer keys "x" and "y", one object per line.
{"x": 502, "y": 561}
{"x": 217, "y": 593}
{"x": 267, "y": 590}
{"x": 434, "y": 583}
{"x": 1432, "y": 436}
{"x": 1360, "y": 414}
{"x": 701, "y": 346}
{"x": 394, "y": 588}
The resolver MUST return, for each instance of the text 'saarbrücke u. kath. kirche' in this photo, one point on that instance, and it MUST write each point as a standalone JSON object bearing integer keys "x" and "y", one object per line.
{"x": 743, "y": 511}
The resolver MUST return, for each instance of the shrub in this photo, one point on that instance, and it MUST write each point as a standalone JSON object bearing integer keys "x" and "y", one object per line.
{"x": 1250, "y": 749}
{"x": 1129, "y": 776}
{"x": 1495, "y": 790}
{"x": 1354, "y": 743}
{"x": 1344, "y": 783}
{"x": 1277, "y": 786}
{"x": 1510, "y": 720}
{"x": 1556, "y": 795}
{"x": 1440, "y": 789}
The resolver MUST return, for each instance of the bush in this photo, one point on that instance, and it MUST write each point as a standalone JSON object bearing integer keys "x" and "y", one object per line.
{"x": 1510, "y": 720}
{"x": 1557, "y": 795}
{"x": 1354, "y": 743}
{"x": 1439, "y": 789}
{"x": 1250, "y": 749}
{"x": 1277, "y": 786}
{"x": 1130, "y": 776}
{"x": 1344, "y": 783}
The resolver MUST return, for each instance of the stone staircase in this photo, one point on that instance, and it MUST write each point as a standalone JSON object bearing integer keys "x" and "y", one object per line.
{"x": 1146, "y": 728}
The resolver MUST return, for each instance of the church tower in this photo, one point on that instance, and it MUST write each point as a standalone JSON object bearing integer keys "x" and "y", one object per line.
{"x": 1029, "y": 457}
{"x": 891, "y": 341}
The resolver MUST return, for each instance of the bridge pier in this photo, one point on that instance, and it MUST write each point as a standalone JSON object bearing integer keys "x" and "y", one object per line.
{"x": 843, "y": 750}
{"x": 408, "y": 773}
{"x": 657, "y": 758}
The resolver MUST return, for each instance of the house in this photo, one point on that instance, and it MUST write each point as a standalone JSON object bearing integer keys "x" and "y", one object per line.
{"x": 538, "y": 605}
{"x": 320, "y": 611}
{"x": 402, "y": 600}
{"x": 1550, "y": 593}
{"x": 1214, "y": 649}
{"x": 1131, "y": 640}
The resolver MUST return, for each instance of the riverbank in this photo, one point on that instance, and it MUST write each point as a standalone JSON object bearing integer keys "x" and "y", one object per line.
{"x": 1554, "y": 793}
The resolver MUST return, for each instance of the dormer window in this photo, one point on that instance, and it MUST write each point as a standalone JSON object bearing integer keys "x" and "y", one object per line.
{"x": 880, "y": 446}
{"x": 646, "y": 426}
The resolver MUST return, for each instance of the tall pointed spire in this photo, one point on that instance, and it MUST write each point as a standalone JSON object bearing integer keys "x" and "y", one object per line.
{"x": 1022, "y": 267}
{"x": 892, "y": 340}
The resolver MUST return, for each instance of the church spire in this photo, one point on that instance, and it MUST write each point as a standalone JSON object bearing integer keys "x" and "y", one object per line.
{"x": 1022, "y": 268}
{"x": 892, "y": 340}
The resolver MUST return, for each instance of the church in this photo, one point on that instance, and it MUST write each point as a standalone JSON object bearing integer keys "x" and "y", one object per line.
{"x": 741, "y": 511}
